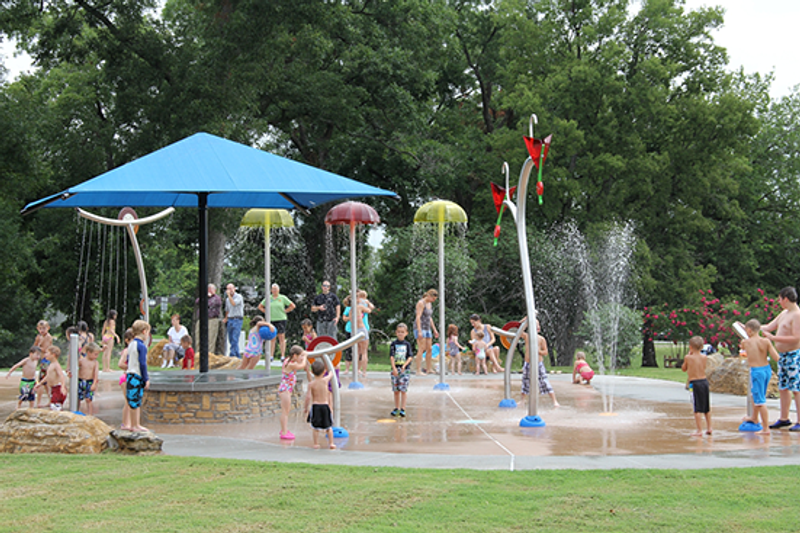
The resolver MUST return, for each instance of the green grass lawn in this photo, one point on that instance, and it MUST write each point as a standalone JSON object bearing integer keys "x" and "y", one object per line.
{"x": 110, "y": 493}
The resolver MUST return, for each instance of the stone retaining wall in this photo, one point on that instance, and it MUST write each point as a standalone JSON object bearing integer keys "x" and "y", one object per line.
{"x": 221, "y": 401}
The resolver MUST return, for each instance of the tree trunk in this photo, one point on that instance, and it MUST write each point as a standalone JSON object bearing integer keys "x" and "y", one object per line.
{"x": 648, "y": 346}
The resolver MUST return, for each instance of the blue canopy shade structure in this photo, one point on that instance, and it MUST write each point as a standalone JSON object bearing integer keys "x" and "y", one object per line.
{"x": 205, "y": 171}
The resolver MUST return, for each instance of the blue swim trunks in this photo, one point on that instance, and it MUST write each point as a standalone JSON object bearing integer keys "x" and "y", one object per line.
{"x": 759, "y": 379}
{"x": 134, "y": 391}
{"x": 26, "y": 393}
{"x": 789, "y": 371}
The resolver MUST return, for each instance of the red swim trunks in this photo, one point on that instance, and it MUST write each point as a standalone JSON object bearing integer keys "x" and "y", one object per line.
{"x": 57, "y": 398}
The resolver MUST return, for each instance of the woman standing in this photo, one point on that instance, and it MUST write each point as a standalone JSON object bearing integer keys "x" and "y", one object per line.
{"x": 425, "y": 329}
{"x": 279, "y": 306}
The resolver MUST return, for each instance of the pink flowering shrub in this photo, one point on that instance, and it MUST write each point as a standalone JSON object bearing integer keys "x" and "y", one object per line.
{"x": 708, "y": 317}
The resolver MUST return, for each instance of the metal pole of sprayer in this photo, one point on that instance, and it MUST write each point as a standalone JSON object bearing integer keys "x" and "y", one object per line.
{"x": 518, "y": 212}
{"x": 508, "y": 401}
{"x": 73, "y": 369}
{"x": 267, "y": 300}
{"x": 354, "y": 306}
{"x": 442, "y": 359}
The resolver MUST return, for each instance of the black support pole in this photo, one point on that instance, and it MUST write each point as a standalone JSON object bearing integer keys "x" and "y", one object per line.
{"x": 202, "y": 310}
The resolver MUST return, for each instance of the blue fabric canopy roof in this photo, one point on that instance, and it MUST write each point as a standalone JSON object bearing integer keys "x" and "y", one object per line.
{"x": 233, "y": 175}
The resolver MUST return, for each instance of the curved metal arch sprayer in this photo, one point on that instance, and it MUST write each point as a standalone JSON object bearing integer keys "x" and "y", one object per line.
{"x": 129, "y": 222}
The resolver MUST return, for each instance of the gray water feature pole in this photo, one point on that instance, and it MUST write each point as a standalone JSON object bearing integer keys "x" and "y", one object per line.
{"x": 73, "y": 369}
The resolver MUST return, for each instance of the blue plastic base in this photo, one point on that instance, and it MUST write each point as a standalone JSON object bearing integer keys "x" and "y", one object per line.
{"x": 508, "y": 403}
{"x": 441, "y": 386}
{"x": 750, "y": 426}
{"x": 79, "y": 413}
{"x": 532, "y": 422}
{"x": 355, "y": 385}
{"x": 340, "y": 433}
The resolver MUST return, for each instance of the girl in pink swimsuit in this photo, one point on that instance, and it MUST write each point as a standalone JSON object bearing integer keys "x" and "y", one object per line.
{"x": 581, "y": 371}
{"x": 293, "y": 363}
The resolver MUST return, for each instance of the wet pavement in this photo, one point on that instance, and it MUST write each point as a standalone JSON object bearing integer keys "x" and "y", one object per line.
{"x": 649, "y": 427}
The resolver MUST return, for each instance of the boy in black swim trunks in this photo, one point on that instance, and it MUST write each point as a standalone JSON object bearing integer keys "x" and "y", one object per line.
{"x": 317, "y": 397}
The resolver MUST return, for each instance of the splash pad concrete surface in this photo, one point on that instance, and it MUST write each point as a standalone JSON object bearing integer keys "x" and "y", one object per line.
{"x": 464, "y": 428}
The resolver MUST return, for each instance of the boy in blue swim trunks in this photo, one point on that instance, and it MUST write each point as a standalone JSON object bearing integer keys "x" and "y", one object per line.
{"x": 138, "y": 381}
{"x": 758, "y": 349}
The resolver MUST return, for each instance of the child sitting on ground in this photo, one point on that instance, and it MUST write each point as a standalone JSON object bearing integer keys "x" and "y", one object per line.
{"x": 694, "y": 364}
{"x": 55, "y": 379}
{"x": 479, "y": 349}
{"x": 88, "y": 377}
{"x": 28, "y": 380}
{"x": 317, "y": 398}
{"x": 758, "y": 349}
{"x": 582, "y": 372}
{"x": 188, "y": 353}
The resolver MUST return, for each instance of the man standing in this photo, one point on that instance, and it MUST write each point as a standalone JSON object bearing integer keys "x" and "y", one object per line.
{"x": 787, "y": 342}
{"x": 214, "y": 321}
{"x": 234, "y": 315}
{"x": 328, "y": 310}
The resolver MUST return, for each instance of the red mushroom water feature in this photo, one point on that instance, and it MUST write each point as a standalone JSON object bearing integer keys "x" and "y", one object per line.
{"x": 352, "y": 214}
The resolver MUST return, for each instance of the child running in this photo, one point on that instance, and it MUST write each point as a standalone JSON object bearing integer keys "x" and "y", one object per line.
{"x": 758, "y": 349}
{"x": 400, "y": 355}
{"x": 109, "y": 335}
{"x": 293, "y": 363}
{"x": 308, "y": 332}
{"x": 137, "y": 378}
{"x": 694, "y": 364}
{"x": 28, "y": 380}
{"x": 454, "y": 349}
{"x": 317, "y": 398}
{"x": 582, "y": 372}
{"x": 88, "y": 377}
{"x": 55, "y": 379}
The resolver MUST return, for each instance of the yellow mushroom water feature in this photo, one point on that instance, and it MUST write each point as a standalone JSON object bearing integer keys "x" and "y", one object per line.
{"x": 441, "y": 212}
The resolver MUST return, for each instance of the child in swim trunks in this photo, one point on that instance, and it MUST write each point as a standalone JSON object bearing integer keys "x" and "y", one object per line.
{"x": 55, "y": 378}
{"x": 88, "y": 377}
{"x": 400, "y": 355}
{"x": 138, "y": 379}
{"x": 293, "y": 363}
{"x": 28, "y": 380}
{"x": 581, "y": 372}
{"x": 694, "y": 364}
{"x": 758, "y": 349}
{"x": 317, "y": 398}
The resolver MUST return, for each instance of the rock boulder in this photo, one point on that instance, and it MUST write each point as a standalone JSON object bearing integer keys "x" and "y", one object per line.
{"x": 134, "y": 442}
{"x": 732, "y": 377}
{"x": 43, "y": 431}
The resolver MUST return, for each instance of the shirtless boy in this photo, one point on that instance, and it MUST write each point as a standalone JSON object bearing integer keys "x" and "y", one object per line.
{"x": 317, "y": 398}
{"x": 544, "y": 382}
{"x": 28, "y": 380}
{"x": 43, "y": 338}
{"x": 88, "y": 377}
{"x": 758, "y": 349}
{"x": 787, "y": 342}
{"x": 694, "y": 364}
{"x": 55, "y": 379}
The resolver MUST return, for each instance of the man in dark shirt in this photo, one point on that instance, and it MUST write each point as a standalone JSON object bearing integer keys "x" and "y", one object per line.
{"x": 328, "y": 310}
